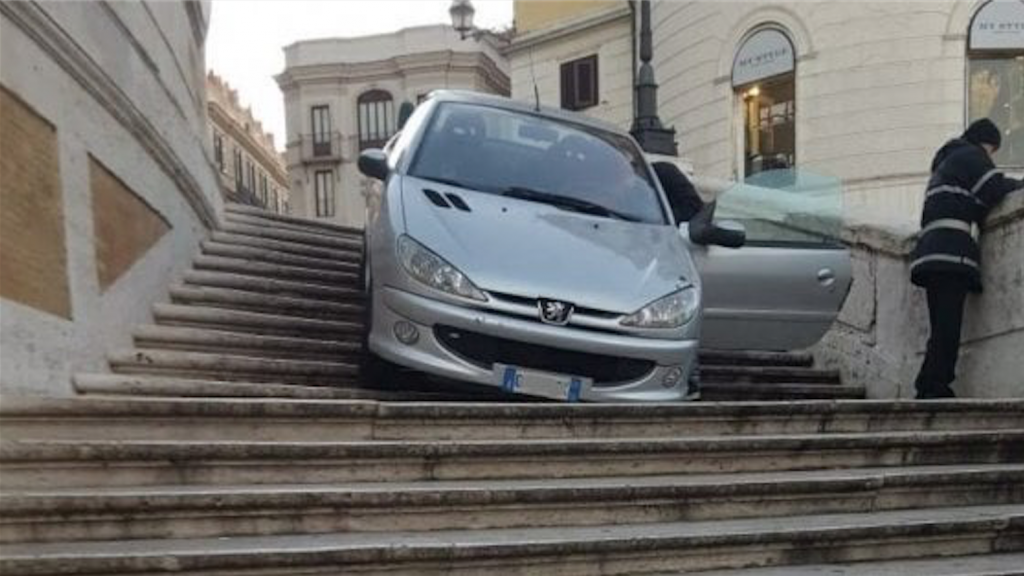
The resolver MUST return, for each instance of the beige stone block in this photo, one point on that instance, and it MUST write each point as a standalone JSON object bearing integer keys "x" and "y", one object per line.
{"x": 33, "y": 253}
{"x": 125, "y": 226}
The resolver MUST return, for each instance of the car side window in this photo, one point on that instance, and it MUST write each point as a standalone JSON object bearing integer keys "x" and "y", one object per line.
{"x": 786, "y": 208}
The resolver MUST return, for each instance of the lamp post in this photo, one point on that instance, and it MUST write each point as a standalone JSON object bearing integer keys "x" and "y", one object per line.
{"x": 462, "y": 13}
{"x": 647, "y": 127}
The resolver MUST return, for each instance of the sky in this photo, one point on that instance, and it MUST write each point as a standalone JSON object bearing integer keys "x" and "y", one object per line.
{"x": 246, "y": 38}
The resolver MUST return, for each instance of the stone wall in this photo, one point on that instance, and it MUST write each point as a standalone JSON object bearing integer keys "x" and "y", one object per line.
{"x": 108, "y": 183}
{"x": 880, "y": 337}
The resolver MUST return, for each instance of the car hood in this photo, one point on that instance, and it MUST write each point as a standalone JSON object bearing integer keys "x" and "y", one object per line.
{"x": 532, "y": 250}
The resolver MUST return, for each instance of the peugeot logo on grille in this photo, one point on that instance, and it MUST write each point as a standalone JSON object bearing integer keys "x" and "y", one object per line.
{"x": 554, "y": 311}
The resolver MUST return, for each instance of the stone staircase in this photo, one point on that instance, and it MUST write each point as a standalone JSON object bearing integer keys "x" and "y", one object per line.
{"x": 236, "y": 438}
{"x": 284, "y": 486}
{"x": 274, "y": 307}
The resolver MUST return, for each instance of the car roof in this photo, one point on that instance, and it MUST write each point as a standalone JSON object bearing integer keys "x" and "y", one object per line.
{"x": 504, "y": 103}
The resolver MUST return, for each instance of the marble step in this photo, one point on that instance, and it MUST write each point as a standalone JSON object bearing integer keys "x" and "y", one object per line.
{"x": 735, "y": 392}
{"x": 737, "y": 374}
{"x": 246, "y": 301}
{"x": 755, "y": 358}
{"x": 84, "y": 463}
{"x": 312, "y": 239}
{"x": 256, "y": 322}
{"x": 212, "y": 248}
{"x": 285, "y": 288}
{"x": 245, "y": 344}
{"x": 656, "y": 548}
{"x": 206, "y": 409}
{"x": 253, "y": 510}
{"x": 319, "y": 225}
{"x": 348, "y": 253}
{"x": 348, "y": 279}
{"x": 196, "y": 365}
{"x": 983, "y": 564}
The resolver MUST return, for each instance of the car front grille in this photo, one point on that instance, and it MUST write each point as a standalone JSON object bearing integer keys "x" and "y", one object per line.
{"x": 486, "y": 351}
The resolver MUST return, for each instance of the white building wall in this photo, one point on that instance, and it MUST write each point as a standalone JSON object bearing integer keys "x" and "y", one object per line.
{"x": 538, "y": 56}
{"x": 105, "y": 77}
{"x": 880, "y": 85}
{"x": 334, "y": 72}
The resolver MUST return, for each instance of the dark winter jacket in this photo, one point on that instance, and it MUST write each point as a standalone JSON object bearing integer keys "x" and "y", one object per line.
{"x": 682, "y": 196}
{"x": 964, "y": 187}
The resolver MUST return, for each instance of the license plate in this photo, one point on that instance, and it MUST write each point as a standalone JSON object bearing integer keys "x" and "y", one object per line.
{"x": 536, "y": 383}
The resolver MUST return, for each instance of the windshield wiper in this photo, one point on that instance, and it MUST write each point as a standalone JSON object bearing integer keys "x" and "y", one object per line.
{"x": 566, "y": 202}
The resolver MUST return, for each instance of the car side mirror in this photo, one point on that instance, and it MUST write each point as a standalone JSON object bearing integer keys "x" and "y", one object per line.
{"x": 374, "y": 163}
{"x": 704, "y": 231}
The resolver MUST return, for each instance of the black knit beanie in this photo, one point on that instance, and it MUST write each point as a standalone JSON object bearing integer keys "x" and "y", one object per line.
{"x": 983, "y": 131}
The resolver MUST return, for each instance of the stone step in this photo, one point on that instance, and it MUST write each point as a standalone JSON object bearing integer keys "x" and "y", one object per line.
{"x": 302, "y": 238}
{"x": 252, "y": 510}
{"x": 277, "y": 272}
{"x": 162, "y": 388}
{"x": 634, "y": 549}
{"x": 252, "y": 220}
{"x": 982, "y": 564}
{"x": 196, "y": 365}
{"x": 256, "y": 322}
{"x": 276, "y": 287}
{"x": 755, "y": 358}
{"x": 348, "y": 254}
{"x": 790, "y": 374}
{"x": 243, "y": 344}
{"x": 732, "y": 392}
{"x": 212, "y": 248}
{"x": 233, "y": 208}
{"x": 316, "y": 417}
{"x": 266, "y": 303}
{"x": 284, "y": 247}
{"x": 83, "y": 463}
{"x": 156, "y": 391}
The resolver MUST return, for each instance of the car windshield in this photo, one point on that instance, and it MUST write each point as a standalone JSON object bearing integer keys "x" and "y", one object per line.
{"x": 538, "y": 159}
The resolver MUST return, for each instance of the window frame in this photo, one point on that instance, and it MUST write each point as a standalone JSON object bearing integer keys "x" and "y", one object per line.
{"x": 569, "y": 83}
{"x": 320, "y": 125}
{"x": 378, "y": 105}
{"x": 323, "y": 197}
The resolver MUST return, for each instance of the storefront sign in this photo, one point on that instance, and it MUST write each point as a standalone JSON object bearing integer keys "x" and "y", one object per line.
{"x": 765, "y": 54}
{"x": 999, "y": 25}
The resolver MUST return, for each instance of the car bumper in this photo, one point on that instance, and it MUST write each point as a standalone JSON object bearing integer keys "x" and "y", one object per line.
{"x": 428, "y": 354}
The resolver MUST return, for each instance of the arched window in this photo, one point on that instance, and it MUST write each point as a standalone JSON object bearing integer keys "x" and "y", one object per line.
{"x": 764, "y": 79}
{"x": 376, "y": 114}
{"x": 995, "y": 74}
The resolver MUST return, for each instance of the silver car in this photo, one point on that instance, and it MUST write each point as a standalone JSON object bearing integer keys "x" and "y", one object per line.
{"x": 532, "y": 249}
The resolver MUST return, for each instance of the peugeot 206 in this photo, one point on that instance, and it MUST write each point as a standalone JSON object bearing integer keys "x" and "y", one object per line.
{"x": 533, "y": 250}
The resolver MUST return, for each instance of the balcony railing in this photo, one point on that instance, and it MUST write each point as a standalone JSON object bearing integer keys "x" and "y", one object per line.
{"x": 312, "y": 148}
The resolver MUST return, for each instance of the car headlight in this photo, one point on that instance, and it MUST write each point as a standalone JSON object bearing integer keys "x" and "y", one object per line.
{"x": 672, "y": 311}
{"x": 432, "y": 270}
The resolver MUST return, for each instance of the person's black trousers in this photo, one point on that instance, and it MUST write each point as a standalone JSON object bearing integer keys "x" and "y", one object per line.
{"x": 946, "y": 298}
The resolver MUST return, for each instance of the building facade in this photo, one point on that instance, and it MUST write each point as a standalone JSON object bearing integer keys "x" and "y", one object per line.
{"x": 344, "y": 95}
{"x": 249, "y": 167}
{"x": 107, "y": 183}
{"x": 861, "y": 92}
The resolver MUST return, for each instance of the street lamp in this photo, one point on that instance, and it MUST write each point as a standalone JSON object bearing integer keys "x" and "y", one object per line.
{"x": 462, "y": 12}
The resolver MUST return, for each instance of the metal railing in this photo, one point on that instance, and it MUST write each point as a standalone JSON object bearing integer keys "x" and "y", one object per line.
{"x": 318, "y": 147}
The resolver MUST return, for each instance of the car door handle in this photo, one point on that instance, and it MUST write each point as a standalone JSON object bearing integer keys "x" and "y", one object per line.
{"x": 826, "y": 277}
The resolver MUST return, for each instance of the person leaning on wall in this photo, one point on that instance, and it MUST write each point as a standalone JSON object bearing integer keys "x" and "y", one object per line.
{"x": 964, "y": 187}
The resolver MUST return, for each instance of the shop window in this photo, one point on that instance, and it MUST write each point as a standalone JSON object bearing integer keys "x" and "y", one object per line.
{"x": 376, "y": 116}
{"x": 579, "y": 83}
{"x": 995, "y": 75}
{"x": 769, "y": 121}
{"x": 324, "y": 191}
{"x": 764, "y": 78}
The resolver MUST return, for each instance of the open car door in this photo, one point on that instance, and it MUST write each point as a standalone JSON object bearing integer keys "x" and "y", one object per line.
{"x": 783, "y": 289}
